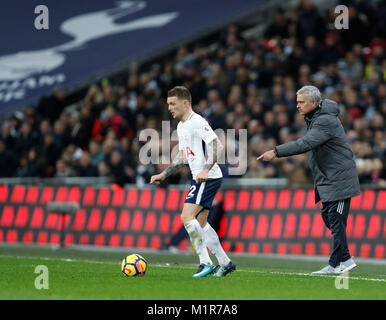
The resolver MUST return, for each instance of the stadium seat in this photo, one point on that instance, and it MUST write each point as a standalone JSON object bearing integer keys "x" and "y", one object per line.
{"x": 99, "y": 240}
{"x": 267, "y": 247}
{"x": 94, "y": 220}
{"x": 11, "y": 236}
{"x": 234, "y": 226}
{"x": 296, "y": 248}
{"x": 281, "y": 248}
{"x": 137, "y": 221}
{"x": 290, "y": 226}
{"x": 257, "y": 200}
{"x": 253, "y": 247}
{"x": 42, "y": 237}
{"x": 155, "y": 242}
{"x": 132, "y": 198}
{"x": 364, "y": 251}
{"x": 141, "y": 241}
{"x": 381, "y": 201}
{"x": 317, "y": 228}
{"x": 37, "y": 218}
{"x": 304, "y": 225}
{"x": 32, "y": 195}
{"x": 80, "y": 220}
{"x": 310, "y": 248}
{"x": 145, "y": 198}
{"x": 270, "y": 199}
{"x": 124, "y": 221}
{"x": 88, "y": 196}
{"x": 229, "y": 200}
{"x": 359, "y": 226}
{"x": 46, "y": 195}
{"x": 55, "y": 238}
{"x": 298, "y": 199}
{"x": 368, "y": 200}
{"x": 69, "y": 239}
{"x": 61, "y": 194}
{"x": 103, "y": 197}
{"x": 84, "y": 239}
{"x": 248, "y": 227}
{"x": 3, "y": 193}
{"x": 74, "y": 194}
{"x": 150, "y": 222}
{"x": 18, "y": 193}
{"x": 284, "y": 199}
{"x": 115, "y": 240}
{"x": 243, "y": 200}
{"x": 183, "y": 198}
{"x": 22, "y": 216}
{"x": 262, "y": 226}
{"x": 27, "y": 237}
{"x": 118, "y": 197}
{"x": 325, "y": 248}
{"x": 276, "y": 226}
{"x": 173, "y": 200}
{"x": 52, "y": 221}
{"x": 176, "y": 224}
{"x": 374, "y": 227}
{"x": 239, "y": 247}
{"x": 128, "y": 241}
{"x": 379, "y": 251}
{"x": 164, "y": 223}
{"x": 159, "y": 199}
{"x": 7, "y": 216}
{"x": 109, "y": 220}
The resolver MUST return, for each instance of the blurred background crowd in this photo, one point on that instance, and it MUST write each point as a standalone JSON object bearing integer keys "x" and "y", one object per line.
{"x": 236, "y": 83}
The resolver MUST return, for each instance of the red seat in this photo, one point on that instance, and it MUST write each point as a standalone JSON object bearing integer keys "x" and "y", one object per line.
{"x": 304, "y": 225}
{"x": 325, "y": 248}
{"x": 128, "y": 241}
{"x": 74, "y": 194}
{"x": 243, "y": 200}
{"x": 99, "y": 240}
{"x": 115, "y": 240}
{"x": 290, "y": 226}
{"x": 317, "y": 229}
{"x": 310, "y": 248}
{"x": 177, "y": 223}
{"x": 21, "y": 217}
{"x": 27, "y": 237}
{"x": 229, "y": 200}
{"x": 365, "y": 250}
{"x": 368, "y": 200}
{"x": 359, "y": 226}
{"x": 270, "y": 199}
{"x": 3, "y": 193}
{"x": 239, "y": 247}
{"x": 61, "y": 194}
{"x": 7, "y": 216}
{"x": 103, "y": 197}
{"x": 132, "y": 198}
{"x": 276, "y": 226}
{"x": 296, "y": 248}
{"x": 234, "y": 226}
{"x": 155, "y": 242}
{"x": 79, "y": 220}
{"x": 142, "y": 241}
{"x": 164, "y": 222}
{"x": 150, "y": 222}
{"x": 159, "y": 199}
{"x": 94, "y": 220}
{"x": 284, "y": 199}
{"x": 257, "y": 200}
{"x": 144, "y": 200}
{"x": 298, "y": 199}
{"x": 69, "y": 239}
{"x": 253, "y": 247}
{"x": 355, "y": 202}
{"x": 42, "y": 237}
{"x": 109, "y": 220}
{"x": 183, "y": 198}
{"x": 267, "y": 247}
{"x": 223, "y": 227}
{"x": 18, "y": 193}
{"x": 310, "y": 203}
{"x": 262, "y": 226}
{"x": 248, "y": 226}
{"x": 52, "y": 221}
{"x": 137, "y": 221}
{"x": 173, "y": 200}
{"x": 32, "y": 195}
{"x": 381, "y": 202}
{"x": 89, "y": 196}
{"x": 118, "y": 197}
{"x": 11, "y": 236}
{"x": 37, "y": 218}
{"x": 124, "y": 221}
{"x": 379, "y": 251}
{"x": 84, "y": 239}
{"x": 46, "y": 195}
{"x": 374, "y": 228}
{"x": 281, "y": 248}
{"x": 55, "y": 238}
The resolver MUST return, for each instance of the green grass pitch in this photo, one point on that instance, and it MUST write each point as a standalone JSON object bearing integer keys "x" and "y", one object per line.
{"x": 90, "y": 274}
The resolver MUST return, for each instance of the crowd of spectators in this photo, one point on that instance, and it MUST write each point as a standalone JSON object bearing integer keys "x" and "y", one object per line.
{"x": 236, "y": 83}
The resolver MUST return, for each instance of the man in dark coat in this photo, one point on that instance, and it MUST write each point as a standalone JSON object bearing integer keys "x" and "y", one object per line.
{"x": 333, "y": 168}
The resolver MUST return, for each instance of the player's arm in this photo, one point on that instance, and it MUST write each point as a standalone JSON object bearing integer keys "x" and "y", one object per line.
{"x": 213, "y": 148}
{"x": 177, "y": 163}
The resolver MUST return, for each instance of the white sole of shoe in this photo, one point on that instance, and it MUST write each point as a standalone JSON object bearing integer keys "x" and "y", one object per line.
{"x": 349, "y": 268}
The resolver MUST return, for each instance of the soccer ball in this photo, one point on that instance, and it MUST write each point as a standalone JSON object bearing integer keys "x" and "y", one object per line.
{"x": 134, "y": 265}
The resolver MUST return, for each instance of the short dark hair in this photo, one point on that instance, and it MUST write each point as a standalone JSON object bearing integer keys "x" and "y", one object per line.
{"x": 181, "y": 93}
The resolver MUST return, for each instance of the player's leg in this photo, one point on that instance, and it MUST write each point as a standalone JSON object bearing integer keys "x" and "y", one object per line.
{"x": 196, "y": 235}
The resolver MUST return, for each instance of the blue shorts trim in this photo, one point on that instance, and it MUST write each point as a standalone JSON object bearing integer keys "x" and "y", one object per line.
{"x": 203, "y": 193}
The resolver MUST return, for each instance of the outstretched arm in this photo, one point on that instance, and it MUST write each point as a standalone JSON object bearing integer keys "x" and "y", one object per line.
{"x": 178, "y": 162}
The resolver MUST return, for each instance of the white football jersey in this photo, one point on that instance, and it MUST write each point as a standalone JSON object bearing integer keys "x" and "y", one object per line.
{"x": 193, "y": 136}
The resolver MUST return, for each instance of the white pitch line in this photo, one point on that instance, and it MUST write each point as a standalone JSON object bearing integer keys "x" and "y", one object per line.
{"x": 192, "y": 267}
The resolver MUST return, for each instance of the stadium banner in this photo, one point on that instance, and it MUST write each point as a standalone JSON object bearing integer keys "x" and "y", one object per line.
{"x": 66, "y": 45}
{"x": 269, "y": 221}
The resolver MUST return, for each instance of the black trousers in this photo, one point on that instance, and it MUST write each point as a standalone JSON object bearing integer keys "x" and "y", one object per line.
{"x": 335, "y": 215}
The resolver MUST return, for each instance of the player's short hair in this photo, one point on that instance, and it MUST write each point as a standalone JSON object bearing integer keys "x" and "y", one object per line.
{"x": 311, "y": 92}
{"x": 181, "y": 93}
